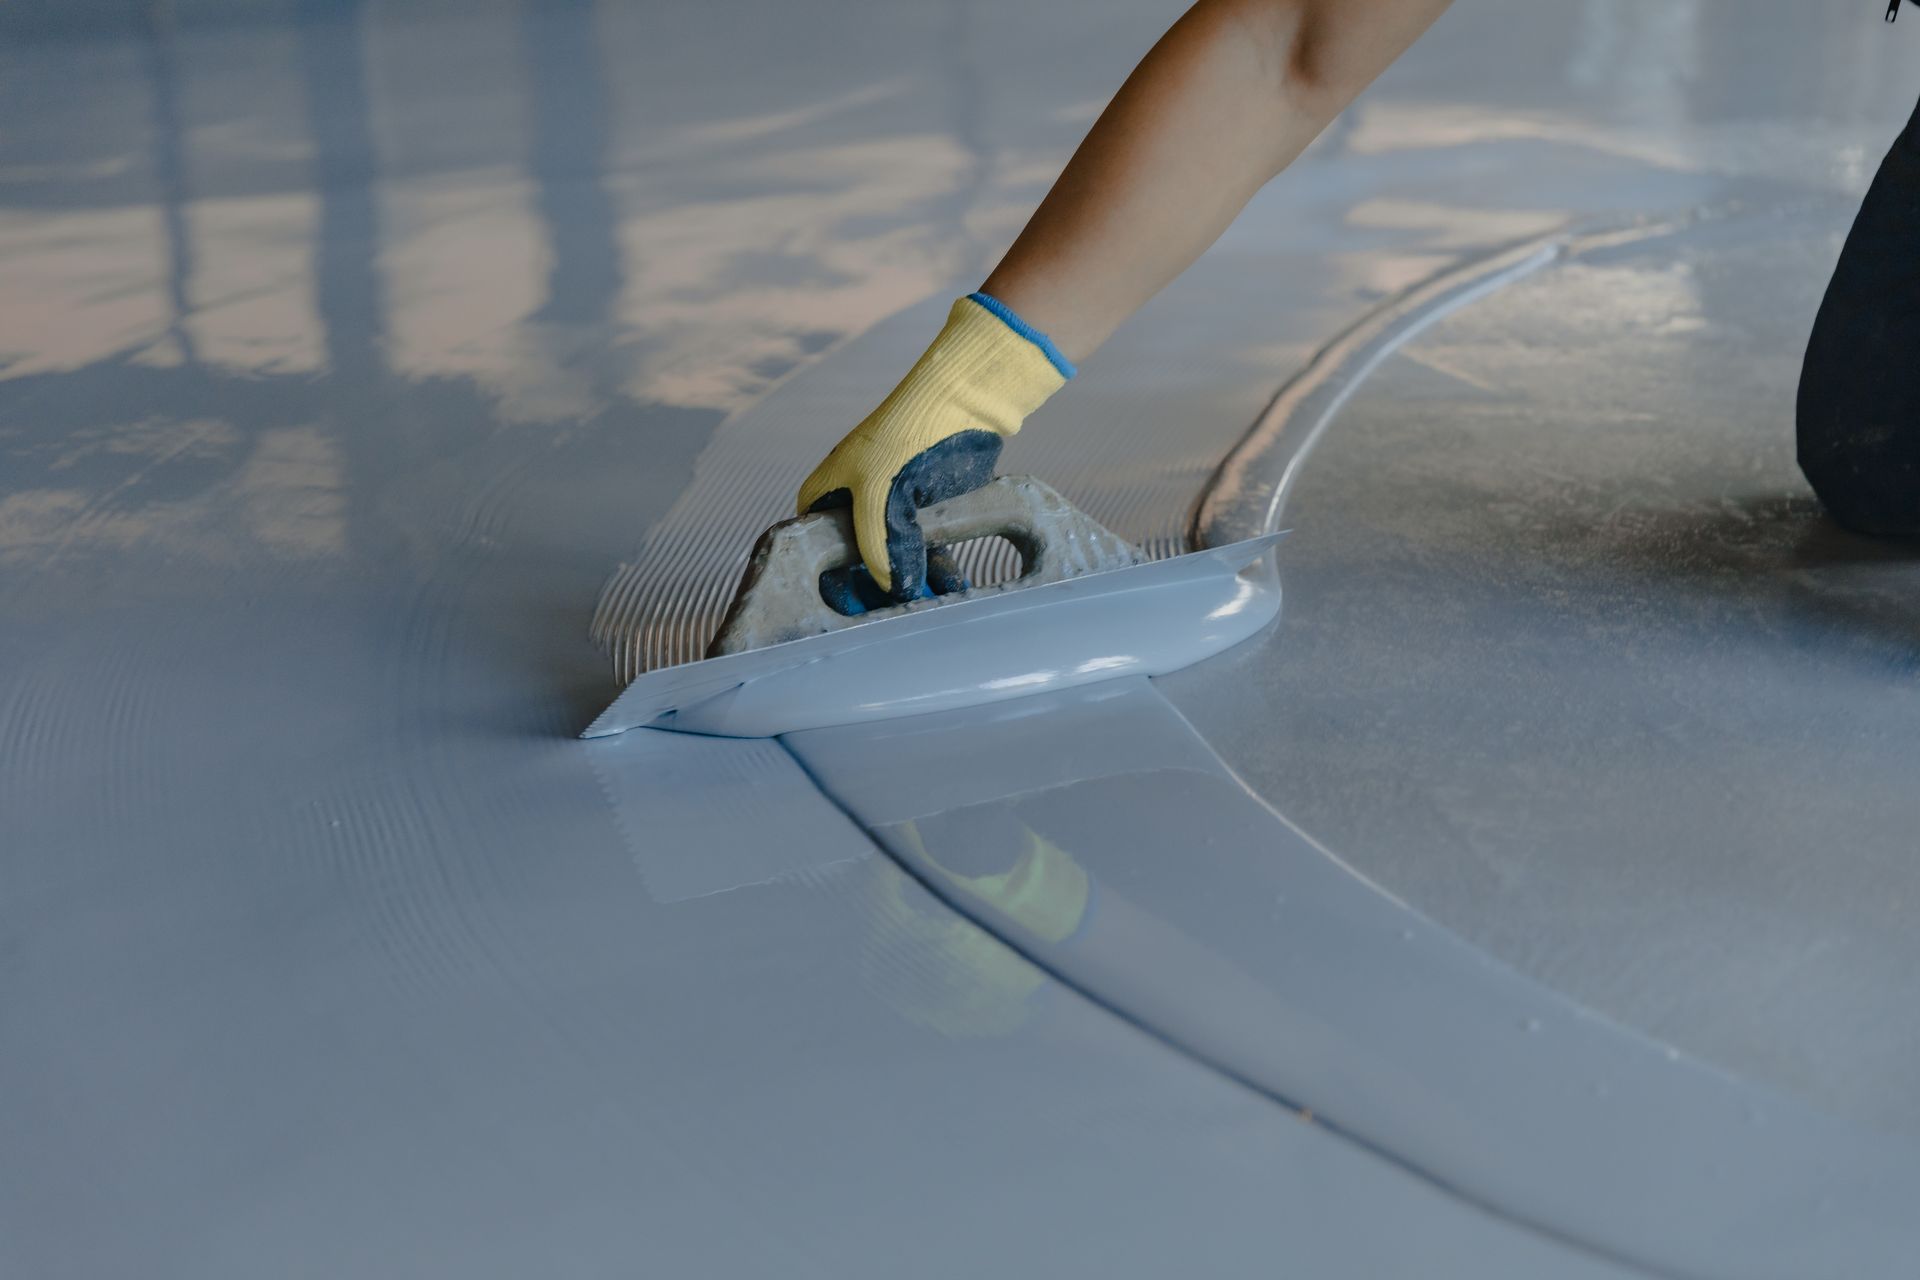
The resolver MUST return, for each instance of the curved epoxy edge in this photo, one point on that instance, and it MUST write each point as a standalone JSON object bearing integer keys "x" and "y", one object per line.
{"x": 1705, "y": 1174}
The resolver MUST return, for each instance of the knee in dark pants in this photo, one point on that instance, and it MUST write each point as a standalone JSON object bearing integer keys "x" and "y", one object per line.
{"x": 1858, "y": 413}
{"x": 1865, "y": 476}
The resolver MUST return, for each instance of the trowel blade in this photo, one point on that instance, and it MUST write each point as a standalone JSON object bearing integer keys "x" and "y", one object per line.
{"x": 1147, "y": 619}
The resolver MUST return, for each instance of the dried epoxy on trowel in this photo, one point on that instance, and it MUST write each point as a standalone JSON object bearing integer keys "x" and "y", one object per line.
{"x": 1084, "y": 608}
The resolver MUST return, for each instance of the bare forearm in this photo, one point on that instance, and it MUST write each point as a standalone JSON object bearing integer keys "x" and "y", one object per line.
{"x": 1226, "y": 100}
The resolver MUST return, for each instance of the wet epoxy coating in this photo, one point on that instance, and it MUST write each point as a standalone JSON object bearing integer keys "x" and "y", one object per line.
{"x": 1097, "y": 832}
{"x": 997, "y": 645}
{"x": 348, "y": 347}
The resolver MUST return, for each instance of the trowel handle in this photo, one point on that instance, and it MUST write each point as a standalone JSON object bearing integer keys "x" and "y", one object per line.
{"x": 995, "y": 511}
{"x": 1055, "y": 539}
{"x": 779, "y": 597}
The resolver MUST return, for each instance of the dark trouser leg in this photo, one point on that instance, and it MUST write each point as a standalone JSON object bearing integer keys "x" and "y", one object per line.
{"x": 1859, "y": 403}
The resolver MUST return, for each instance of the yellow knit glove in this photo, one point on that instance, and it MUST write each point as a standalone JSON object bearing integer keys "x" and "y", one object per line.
{"x": 937, "y": 435}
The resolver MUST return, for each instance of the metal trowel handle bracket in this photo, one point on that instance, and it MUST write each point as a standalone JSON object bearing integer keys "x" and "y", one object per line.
{"x": 779, "y": 596}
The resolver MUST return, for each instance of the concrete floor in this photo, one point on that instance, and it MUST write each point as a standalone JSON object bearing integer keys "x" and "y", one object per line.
{"x": 345, "y": 348}
{"x": 1574, "y": 663}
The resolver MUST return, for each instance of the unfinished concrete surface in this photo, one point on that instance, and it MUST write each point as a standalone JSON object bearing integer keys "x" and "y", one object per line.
{"x": 348, "y": 347}
{"x": 1578, "y": 667}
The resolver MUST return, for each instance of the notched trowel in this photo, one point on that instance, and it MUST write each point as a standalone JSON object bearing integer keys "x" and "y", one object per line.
{"x": 1086, "y": 606}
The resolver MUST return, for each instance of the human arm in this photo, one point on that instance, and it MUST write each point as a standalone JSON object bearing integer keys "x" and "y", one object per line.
{"x": 1229, "y": 97}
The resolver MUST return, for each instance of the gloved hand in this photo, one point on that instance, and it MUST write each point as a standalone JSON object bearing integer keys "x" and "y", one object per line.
{"x": 936, "y": 436}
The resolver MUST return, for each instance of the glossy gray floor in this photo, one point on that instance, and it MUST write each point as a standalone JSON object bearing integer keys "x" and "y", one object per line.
{"x": 347, "y": 347}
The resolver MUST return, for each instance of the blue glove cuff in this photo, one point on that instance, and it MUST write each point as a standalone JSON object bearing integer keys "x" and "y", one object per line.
{"x": 1027, "y": 331}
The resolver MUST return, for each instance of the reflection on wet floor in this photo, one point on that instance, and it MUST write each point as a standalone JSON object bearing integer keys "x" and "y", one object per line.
{"x": 347, "y": 345}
